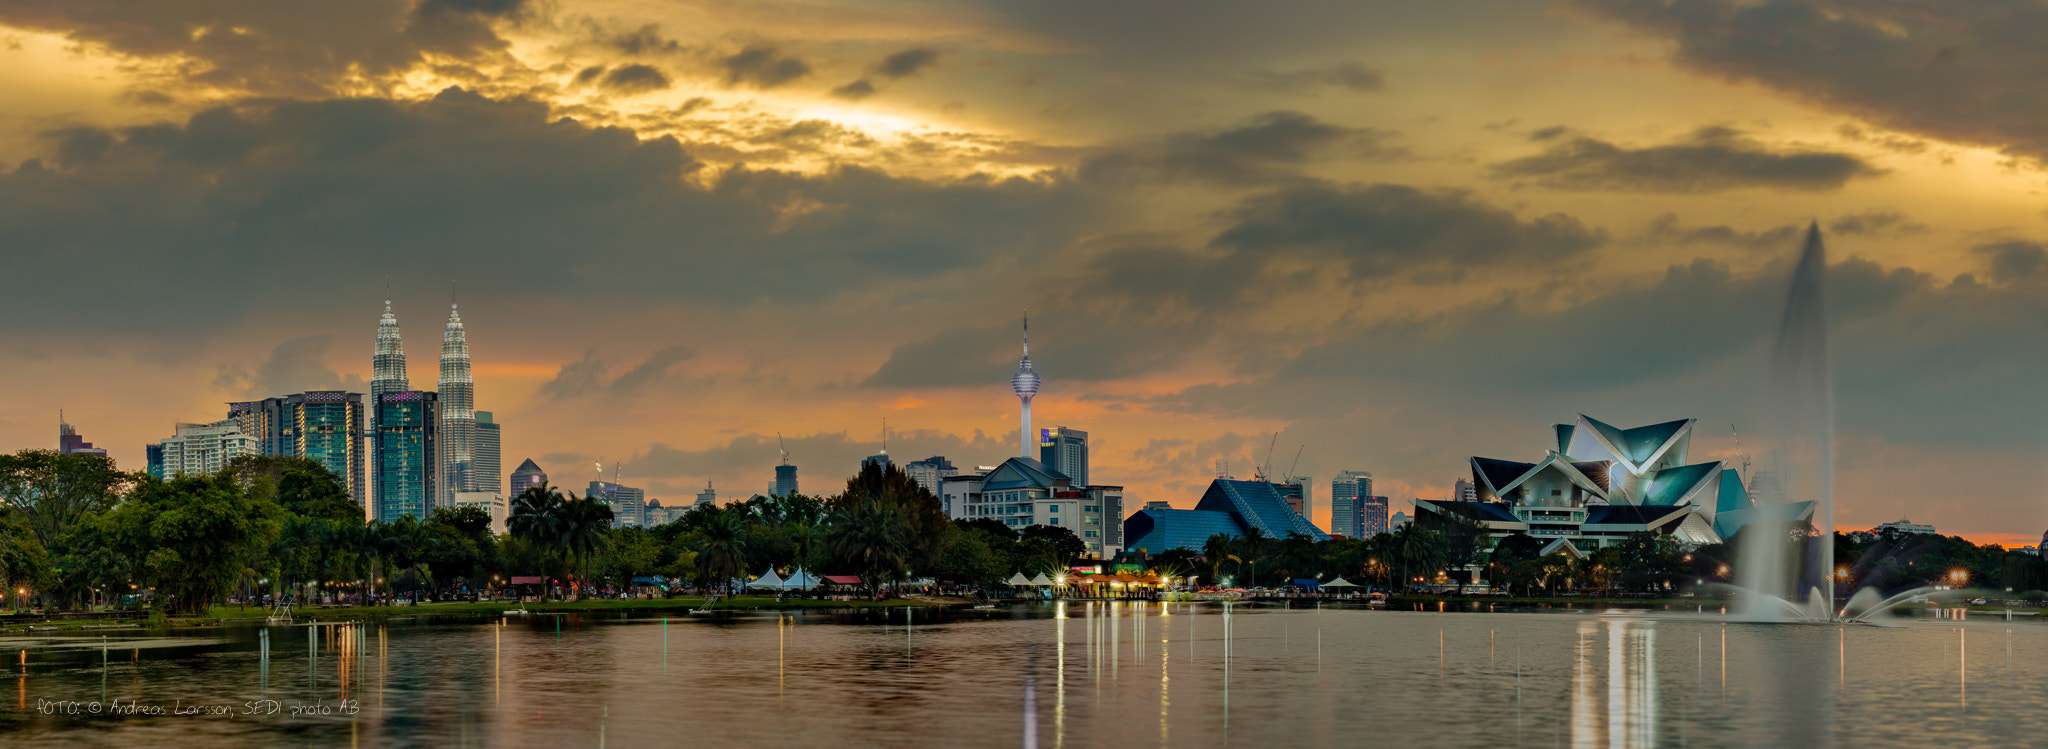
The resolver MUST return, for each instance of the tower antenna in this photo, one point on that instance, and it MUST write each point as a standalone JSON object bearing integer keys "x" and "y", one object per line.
{"x": 1738, "y": 453}
{"x": 885, "y": 435}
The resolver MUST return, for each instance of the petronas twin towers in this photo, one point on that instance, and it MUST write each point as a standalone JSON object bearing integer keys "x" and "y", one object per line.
{"x": 425, "y": 444}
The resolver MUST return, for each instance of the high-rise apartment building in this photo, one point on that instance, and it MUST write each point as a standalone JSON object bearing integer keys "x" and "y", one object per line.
{"x": 488, "y": 475}
{"x": 69, "y": 443}
{"x": 1347, "y": 491}
{"x": 324, "y": 425}
{"x": 527, "y": 476}
{"x": 930, "y": 472}
{"x": 408, "y": 455}
{"x": 491, "y": 502}
{"x": 198, "y": 449}
{"x": 458, "y": 411}
{"x": 629, "y": 504}
{"x": 1065, "y": 450}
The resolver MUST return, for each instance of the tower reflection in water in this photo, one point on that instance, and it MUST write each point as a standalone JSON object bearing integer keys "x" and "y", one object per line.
{"x": 1629, "y": 717}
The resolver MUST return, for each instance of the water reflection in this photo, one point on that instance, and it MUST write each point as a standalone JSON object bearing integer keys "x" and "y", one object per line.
{"x": 1600, "y": 680}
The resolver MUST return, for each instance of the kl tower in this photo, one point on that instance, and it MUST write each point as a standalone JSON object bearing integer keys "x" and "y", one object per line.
{"x": 1025, "y": 384}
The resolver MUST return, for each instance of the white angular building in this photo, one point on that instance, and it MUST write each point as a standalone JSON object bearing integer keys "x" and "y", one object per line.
{"x": 1603, "y": 483}
{"x": 198, "y": 449}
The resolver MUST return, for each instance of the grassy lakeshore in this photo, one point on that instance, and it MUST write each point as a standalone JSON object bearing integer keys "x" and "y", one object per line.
{"x": 223, "y": 614}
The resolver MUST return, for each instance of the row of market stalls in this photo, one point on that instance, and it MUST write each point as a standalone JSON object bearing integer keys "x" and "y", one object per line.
{"x": 799, "y": 579}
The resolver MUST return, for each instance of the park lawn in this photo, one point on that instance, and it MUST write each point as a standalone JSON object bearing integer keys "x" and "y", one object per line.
{"x": 680, "y": 603}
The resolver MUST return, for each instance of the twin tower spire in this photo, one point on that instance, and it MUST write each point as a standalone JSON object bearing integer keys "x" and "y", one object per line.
{"x": 456, "y": 430}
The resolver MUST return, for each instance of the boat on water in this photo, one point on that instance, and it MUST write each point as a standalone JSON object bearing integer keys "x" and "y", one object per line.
{"x": 1375, "y": 599}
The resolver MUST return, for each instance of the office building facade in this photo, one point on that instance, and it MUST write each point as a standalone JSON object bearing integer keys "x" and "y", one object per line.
{"x": 1347, "y": 492}
{"x": 1066, "y": 451}
{"x": 930, "y": 472}
{"x": 488, "y": 475}
{"x": 323, "y": 425}
{"x": 457, "y": 433}
{"x": 629, "y": 504}
{"x": 387, "y": 376}
{"x": 491, "y": 502}
{"x": 527, "y": 476}
{"x": 785, "y": 481}
{"x": 408, "y": 455}
{"x": 1021, "y": 492}
{"x": 70, "y": 443}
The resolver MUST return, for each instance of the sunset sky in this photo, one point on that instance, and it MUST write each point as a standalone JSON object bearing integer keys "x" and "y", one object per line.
{"x": 1397, "y": 234}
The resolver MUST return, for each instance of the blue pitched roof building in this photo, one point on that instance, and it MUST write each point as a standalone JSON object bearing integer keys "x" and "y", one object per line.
{"x": 1229, "y": 507}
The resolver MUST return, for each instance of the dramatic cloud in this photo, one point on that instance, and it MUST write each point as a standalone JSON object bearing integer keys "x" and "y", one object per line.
{"x": 636, "y": 79}
{"x": 2015, "y": 260}
{"x": 907, "y": 63}
{"x": 1963, "y": 70}
{"x": 276, "y": 48}
{"x": 295, "y": 366}
{"x": 592, "y": 375}
{"x": 762, "y": 66}
{"x": 242, "y": 204}
{"x": 1382, "y": 230}
{"x": 1712, "y": 159}
{"x": 1271, "y": 147}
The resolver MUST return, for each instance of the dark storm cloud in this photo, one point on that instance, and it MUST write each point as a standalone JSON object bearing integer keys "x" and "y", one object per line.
{"x": 2014, "y": 260}
{"x": 1137, "y": 304}
{"x": 593, "y": 376}
{"x": 1271, "y": 147}
{"x": 857, "y": 90}
{"x": 907, "y": 63}
{"x": 295, "y": 366}
{"x": 636, "y": 79}
{"x": 1712, "y": 159}
{"x": 1667, "y": 229}
{"x": 1877, "y": 223}
{"x": 1383, "y": 230}
{"x": 761, "y": 65}
{"x": 1917, "y": 361}
{"x": 1962, "y": 70}
{"x": 1349, "y": 76}
{"x": 299, "y": 49}
{"x": 255, "y": 206}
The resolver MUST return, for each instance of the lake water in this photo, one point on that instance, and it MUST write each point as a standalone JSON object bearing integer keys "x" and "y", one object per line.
{"x": 1077, "y": 674}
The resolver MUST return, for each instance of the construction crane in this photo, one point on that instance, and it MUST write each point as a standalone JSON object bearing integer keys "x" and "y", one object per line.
{"x": 1295, "y": 464}
{"x": 1264, "y": 471}
{"x": 1738, "y": 453}
{"x": 783, "y": 447}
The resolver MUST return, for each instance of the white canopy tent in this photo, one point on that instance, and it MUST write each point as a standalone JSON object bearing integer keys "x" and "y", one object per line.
{"x": 1340, "y": 583}
{"x": 1042, "y": 581}
{"x": 1018, "y": 581}
{"x": 767, "y": 581}
{"x": 799, "y": 580}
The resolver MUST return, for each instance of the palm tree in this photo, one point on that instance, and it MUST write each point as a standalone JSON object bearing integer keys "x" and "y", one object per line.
{"x": 722, "y": 551}
{"x": 534, "y": 513}
{"x": 1251, "y": 547}
{"x": 1415, "y": 549}
{"x": 1214, "y": 551}
{"x": 581, "y": 527}
{"x": 873, "y": 538}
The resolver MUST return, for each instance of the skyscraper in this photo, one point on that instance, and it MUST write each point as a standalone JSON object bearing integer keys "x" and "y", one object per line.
{"x": 1372, "y": 516}
{"x": 929, "y": 472}
{"x": 1025, "y": 384}
{"x": 69, "y": 443}
{"x": 1295, "y": 491}
{"x": 1066, "y": 451}
{"x": 408, "y": 454}
{"x": 325, "y": 425}
{"x": 387, "y": 375}
{"x": 526, "y": 476}
{"x": 488, "y": 476}
{"x": 785, "y": 481}
{"x": 707, "y": 497}
{"x": 1464, "y": 491}
{"x": 1347, "y": 492}
{"x": 629, "y": 504}
{"x": 458, "y": 411}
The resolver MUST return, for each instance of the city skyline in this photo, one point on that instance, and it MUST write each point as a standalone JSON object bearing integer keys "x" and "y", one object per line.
{"x": 1382, "y": 232}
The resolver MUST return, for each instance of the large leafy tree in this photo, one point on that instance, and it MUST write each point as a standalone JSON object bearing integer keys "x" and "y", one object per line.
{"x": 721, "y": 547}
{"x": 923, "y": 519}
{"x": 51, "y": 492}
{"x": 1069, "y": 546}
{"x": 874, "y": 539}
{"x": 191, "y": 538}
